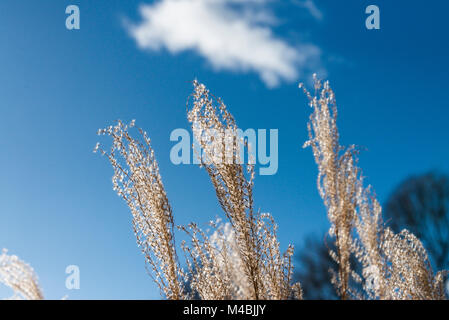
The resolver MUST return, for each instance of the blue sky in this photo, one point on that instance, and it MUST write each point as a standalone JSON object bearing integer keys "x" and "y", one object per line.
{"x": 57, "y": 87}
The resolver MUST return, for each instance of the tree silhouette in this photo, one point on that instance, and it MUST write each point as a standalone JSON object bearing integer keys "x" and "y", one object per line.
{"x": 313, "y": 272}
{"x": 419, "y": 204}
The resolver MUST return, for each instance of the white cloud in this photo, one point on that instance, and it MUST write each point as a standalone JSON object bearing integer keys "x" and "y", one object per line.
{"x": 231, "y": 35}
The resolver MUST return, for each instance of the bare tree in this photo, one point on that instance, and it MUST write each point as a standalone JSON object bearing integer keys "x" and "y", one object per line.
{"x": 314, "y": 263}
{"x": 421, "y": 204}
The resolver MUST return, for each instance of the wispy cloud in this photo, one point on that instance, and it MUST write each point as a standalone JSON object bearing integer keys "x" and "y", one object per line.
{"x": 231, "y": 35}
{"x": 311, "y": 7}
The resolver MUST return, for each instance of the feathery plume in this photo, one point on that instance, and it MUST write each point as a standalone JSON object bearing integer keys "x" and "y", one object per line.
{"x": 20, "y": 277}
{"x": 394, "y": 266}
{"x": 267, "y": 271}
{"x": 137, "y": 180}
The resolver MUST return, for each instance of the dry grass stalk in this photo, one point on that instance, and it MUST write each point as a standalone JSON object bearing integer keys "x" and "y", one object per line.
{"x": 395, "y": 266}
{"x": 337, "y": 179}
{"x": 137, "y": 180}
{"x": 20, "y": 277}
{"x": 267, "y": 270}
{"x": 214, "y": 264}
{"x": 232, "y": 186}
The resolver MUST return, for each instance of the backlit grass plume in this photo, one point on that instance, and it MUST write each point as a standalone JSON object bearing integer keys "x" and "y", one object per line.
{"x": 267, "y": 271}
{"x": 20, "y": 277}
{"x": 136, "y": 179}
{"x": 395, "y": 266}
